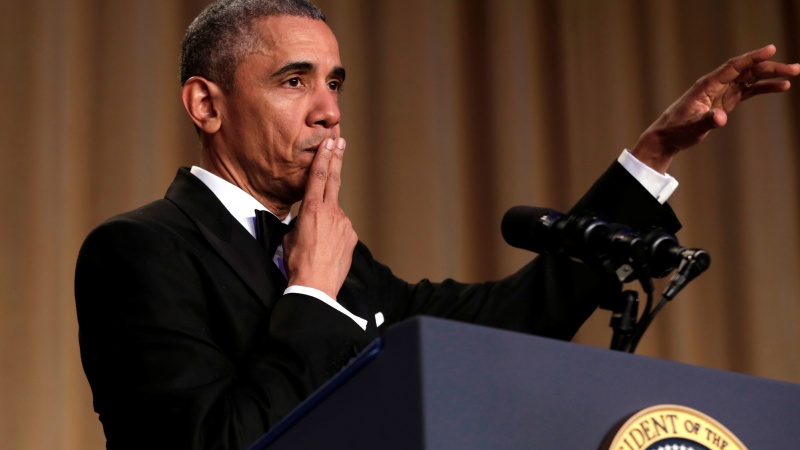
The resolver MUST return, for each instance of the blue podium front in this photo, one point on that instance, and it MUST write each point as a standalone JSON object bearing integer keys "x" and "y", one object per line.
{"x": 436, "y": 384}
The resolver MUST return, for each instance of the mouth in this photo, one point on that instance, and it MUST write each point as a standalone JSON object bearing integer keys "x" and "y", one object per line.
{"x": 313, "y": 148}
{"x": 317, "y": 143}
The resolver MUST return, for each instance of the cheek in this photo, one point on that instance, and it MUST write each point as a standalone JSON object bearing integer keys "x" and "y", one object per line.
{"x": 278, "y": 132}
{"x": 283, "y": 142}
{"x": 284, "y": 131}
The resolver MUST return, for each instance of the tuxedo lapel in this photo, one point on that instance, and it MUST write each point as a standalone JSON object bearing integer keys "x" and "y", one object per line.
{"x": 226, "y": 236}
{"x": 249, "y": 261}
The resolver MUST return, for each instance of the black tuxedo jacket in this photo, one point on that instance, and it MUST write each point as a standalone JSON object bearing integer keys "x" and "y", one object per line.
{"x": 188, "y": 341}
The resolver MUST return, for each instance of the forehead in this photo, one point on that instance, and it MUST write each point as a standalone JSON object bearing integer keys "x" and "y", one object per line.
{"x": 287, "y": 39}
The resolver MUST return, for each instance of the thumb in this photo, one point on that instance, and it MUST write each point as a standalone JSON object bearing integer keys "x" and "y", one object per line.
{"x": 695, "y": 131}
{"x": 715, "y": 118}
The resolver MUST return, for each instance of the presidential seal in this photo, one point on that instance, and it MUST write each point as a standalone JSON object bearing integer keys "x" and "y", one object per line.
{"x": 673, "y": 427}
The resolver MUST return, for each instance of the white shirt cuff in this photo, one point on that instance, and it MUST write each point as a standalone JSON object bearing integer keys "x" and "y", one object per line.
{"x": 660, "y": 186}
{"x": 325, "y": 298}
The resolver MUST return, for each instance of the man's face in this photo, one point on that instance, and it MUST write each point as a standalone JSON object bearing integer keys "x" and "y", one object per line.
{"x": 284, "y": 103}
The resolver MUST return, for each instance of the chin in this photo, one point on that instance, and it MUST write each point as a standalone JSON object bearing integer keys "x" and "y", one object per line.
{"x": 298, "y": 189}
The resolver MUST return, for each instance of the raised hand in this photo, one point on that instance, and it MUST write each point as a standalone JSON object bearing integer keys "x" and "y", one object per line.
{"x": 320, "y": 248}
{"x": 706, "y": 104}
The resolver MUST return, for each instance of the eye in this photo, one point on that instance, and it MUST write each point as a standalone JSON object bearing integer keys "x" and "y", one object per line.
{"x": 335, "y": 85}
{"x": 293, "y": 82}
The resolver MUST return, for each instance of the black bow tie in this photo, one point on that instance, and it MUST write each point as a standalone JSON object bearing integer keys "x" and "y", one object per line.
{"x": 270, "y": 231}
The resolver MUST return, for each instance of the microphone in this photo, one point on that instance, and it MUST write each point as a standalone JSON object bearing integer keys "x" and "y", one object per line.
{"x": 665, "y": 254}
{"x": 544, "y": 230}
{"x": 694, "y": 262}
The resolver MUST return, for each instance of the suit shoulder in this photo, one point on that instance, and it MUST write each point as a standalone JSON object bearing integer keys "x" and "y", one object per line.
{"x": 161, "y": 213}
{"x": 158, "y": 221}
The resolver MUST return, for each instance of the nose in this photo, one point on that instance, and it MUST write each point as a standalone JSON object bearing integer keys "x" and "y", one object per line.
{"x": 324, "y": 109}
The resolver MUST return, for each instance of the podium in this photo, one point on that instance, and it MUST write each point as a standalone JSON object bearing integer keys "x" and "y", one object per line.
{"x": 436, "y": 384}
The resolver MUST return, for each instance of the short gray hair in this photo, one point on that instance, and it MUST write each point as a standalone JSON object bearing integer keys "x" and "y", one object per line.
{"x": 223, "y": 34}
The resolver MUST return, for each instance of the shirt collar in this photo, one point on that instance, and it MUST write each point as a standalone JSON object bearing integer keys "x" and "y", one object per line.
{"x": 239, "y": 203}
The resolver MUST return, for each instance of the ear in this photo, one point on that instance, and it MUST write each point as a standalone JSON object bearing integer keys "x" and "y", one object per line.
{"x": 203, "y": 102}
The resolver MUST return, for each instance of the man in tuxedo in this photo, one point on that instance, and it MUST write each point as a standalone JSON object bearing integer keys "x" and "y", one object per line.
{"x": 201, "y": 324}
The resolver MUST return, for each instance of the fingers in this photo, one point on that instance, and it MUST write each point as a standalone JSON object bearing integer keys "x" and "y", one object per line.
{"x": 771, "y": 69}
{"x": 751, "y": 59}
{"x": 735, "y": 67}
{"x": 755, "y": 67}
{"x": 764, "y": 87}
{"x": 318, "y": 172}
{"x": 324, "y": 176}
{"x": 761, "y": 78}
{"x": 334, "y": 181}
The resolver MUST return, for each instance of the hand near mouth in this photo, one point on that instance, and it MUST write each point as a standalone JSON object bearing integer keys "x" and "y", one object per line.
{"x": 319, "y": 250}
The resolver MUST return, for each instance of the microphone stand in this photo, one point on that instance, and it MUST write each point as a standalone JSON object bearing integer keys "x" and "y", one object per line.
{"x": 628, "y": 331}
{"x": 616, "y": 249}
{"x": 625, "y": 310}
{"x": 623, "y": 319}
{"x": 693, "y": 265}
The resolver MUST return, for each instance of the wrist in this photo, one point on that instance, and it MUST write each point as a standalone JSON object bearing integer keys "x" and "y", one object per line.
{"x": 652, "y": 152}
{"x": 323, "y": 286}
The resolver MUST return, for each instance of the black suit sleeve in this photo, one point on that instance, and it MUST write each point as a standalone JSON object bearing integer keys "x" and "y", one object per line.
{"x": 160, "y": 367}
{"x": 551, "y": 296}
{"x": 618, "y": 197}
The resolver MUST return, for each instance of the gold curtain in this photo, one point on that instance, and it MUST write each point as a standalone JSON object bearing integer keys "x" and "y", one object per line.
{"x": 454, "y": 111}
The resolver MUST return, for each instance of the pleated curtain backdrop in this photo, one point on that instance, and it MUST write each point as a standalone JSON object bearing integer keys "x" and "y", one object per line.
{"x": 454, "y": 111}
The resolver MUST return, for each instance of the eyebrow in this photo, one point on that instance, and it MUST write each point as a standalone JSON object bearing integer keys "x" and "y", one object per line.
{"x": 339, "y": 73}
{"x": 305, "y": 66}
